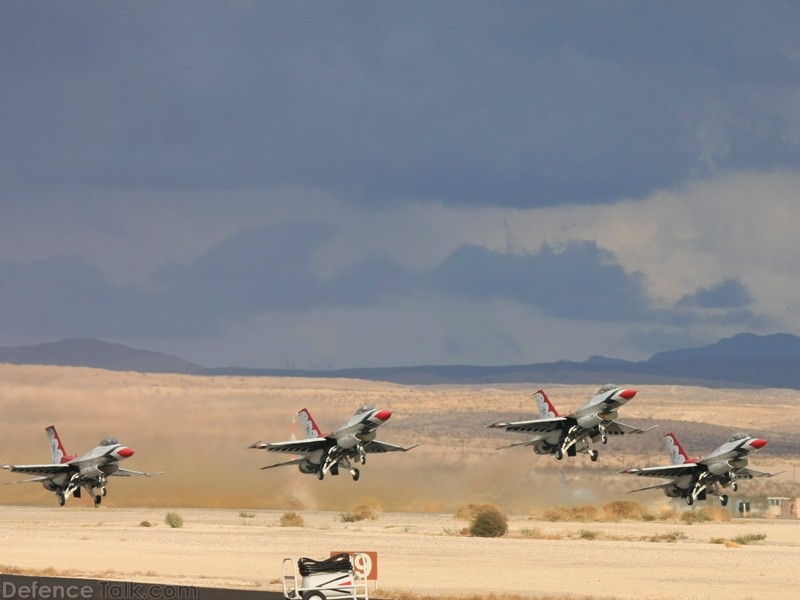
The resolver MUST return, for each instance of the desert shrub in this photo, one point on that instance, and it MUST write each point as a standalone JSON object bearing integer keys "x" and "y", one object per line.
{"x": 247, "y": 515}
{"x": 145, "y": 524}
{"x": 468, "y": 512}
{"x": 364, "y": 512}
{"x": 670, "y": 536}
{"x": 291, "y": 519}
{"x": 488, "y": 522}
{"x": 174, "y": 520}
{"x": 705, "y": 514}
{"x": 624, "y": 509}
{"x": 588, "y": 534}
{"x": 531, "y": 532}
{"x": 347, "y": 517}
{"x": 667, "y": 514}
{"x": 749, "y": 538}
{"x": 534, "y": 533}
{"x": 586, "y": 512}
{"x": 718, "y": 540}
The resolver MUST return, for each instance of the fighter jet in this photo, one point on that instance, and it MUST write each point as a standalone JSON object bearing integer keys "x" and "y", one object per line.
{"x": 692, "y": 478}
{"x": 67, "y": 474}
{"x": 321, "y": 454}
{"x": 575, "y": 432}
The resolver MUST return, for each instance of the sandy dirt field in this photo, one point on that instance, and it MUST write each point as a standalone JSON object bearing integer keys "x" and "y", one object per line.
{"x": 419, "y": 553}
{"x": 197, "y": 429}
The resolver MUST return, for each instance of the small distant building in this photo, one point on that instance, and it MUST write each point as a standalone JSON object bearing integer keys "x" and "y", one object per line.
{"x": 782, "y": 508}
{"x": 743, "y": 508}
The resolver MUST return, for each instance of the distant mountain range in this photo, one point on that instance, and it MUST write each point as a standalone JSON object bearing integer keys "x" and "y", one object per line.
{"x": 744, "y": 360}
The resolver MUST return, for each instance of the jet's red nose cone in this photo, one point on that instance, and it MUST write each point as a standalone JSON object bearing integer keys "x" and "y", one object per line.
{"x": 627, "y": 394}
{"x": 758, "y": 444}
{"x": 383, "y": 415}
{"x": 125, "y": 452}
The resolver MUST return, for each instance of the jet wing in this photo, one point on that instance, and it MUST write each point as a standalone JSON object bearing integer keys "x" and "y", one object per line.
{"x": 296, "y": 461}
{"x": 530, "y": 442}
{"x": 653, "y": 487}
{"x": 617, "y": 428}
{"x": 34, "y": 480}
{"x": 375, "y": 447}
{"x": 667, "y": 472}
{"x": 534, "y": 426}
{"x": 48, "y": 469}
{"x": 671, "y": 472}
{"x": 752, "y": 473}
{"x": 306, "y": 446}
{"x": 129, "y": 473}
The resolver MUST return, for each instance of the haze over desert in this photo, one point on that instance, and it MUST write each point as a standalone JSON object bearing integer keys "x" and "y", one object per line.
{"x": 197, "y": 429}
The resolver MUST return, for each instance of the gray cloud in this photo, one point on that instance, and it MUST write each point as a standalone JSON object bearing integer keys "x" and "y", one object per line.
{"x": 521, "y": 105}
{"x": 251, "y": 173}
{"x": 60, "y": 296}
{"x": 580, "y": 282}
{"x": 729, "y": 293}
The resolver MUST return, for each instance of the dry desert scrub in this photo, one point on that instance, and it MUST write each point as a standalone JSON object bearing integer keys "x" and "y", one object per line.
{"x": 626, "y": 510}
{"x": 174, "y": 520}
{"x": 749, "y": 538}
{"x": 585, "y": 512}
{"x": 489, "y": 521}
{"x": 291, "y": 519}
{"x": 714, "y": 514}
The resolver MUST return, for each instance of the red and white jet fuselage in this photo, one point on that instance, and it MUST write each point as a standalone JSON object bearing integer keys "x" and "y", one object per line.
{"x": 67, "y": 474}
{"x": 321, "y": 454}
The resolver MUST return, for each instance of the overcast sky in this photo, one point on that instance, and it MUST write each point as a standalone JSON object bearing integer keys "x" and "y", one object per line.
{"x": 341, "y": 184}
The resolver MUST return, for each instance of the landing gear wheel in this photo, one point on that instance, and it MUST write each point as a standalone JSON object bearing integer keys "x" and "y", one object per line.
{"x": 61, "y": 498}
{"x": 593, "y": 454}
{"x": 604, "y": 439}
{"x": 313, "y": 596}
{"x": 104, "y": 491}
{"x": 723, "y": 500}
{"x": 689, "y": 500}
{"x": 356, "y": 474}
{"x": 363, "y": 459}
{"x": 97, "y": 500}
{"x": 320, "y": 475}
{"x": 735, "y": 487}
{"x": 559, "y": 454}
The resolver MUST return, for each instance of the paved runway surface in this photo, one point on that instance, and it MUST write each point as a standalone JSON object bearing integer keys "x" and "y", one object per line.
{"x": 51, "y": 588}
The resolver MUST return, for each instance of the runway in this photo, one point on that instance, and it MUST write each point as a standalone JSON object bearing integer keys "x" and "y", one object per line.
{"x": 13, "y": 587}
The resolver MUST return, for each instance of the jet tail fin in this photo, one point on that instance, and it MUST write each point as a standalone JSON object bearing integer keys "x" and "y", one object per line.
{"x": 310, "y": 428}
{"x": 675, "y": 450}
{"x": 57, "y": 452}
{"x": 546, "y": 408}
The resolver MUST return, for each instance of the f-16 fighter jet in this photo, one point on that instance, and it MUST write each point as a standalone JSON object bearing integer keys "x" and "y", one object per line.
{"x": 67, "y": 474}
{"x": 692, "y": 478}
{"x": 575, "y": 432}
{"x": 321, "y": 454}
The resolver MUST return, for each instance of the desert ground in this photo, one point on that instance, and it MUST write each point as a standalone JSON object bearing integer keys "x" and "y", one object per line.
{"x": 197, "y": 429}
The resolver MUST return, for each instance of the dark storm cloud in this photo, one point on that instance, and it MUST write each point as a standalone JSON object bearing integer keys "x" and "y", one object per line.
{"x": 515, "y": 104}
{"x": 580, "y": 282}
{"x": 62, "y": 295}
{"x": 730, "y": 293}
{"x": 268, "y": 268}
{"x": 723, "y": 304}
{"x": 271, "y": 270}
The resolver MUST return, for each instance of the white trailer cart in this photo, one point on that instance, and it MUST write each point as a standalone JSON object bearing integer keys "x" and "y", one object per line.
{"x": 329, "y": 579}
